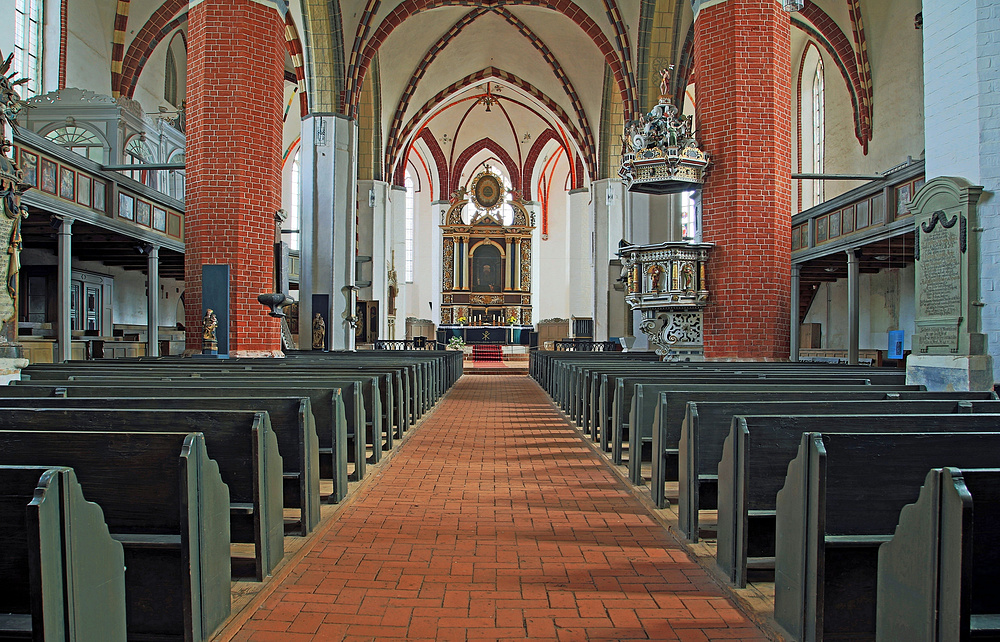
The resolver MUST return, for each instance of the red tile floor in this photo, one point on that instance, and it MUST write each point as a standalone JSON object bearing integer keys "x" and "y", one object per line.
{"x": 494, "y": 521}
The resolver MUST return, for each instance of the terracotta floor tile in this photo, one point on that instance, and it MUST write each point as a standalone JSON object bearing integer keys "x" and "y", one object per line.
{"x": 494, "y": 521}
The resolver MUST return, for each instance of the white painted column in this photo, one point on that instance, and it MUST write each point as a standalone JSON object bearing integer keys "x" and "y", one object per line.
{"x": 581, "y": 255}
{"x": 153, "y": 302}
{"x": 381, "y": 246}
{"x": 329, "y": 183}
{"x": 64, "y": 283}
{"x": 598, "y": 214}
{"x": 396, "y": 229}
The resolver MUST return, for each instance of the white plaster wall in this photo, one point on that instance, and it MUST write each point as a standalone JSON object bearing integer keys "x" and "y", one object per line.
{"x": 887, "y": 303}
{"x": 962, "y": 110}
{"x": 582, "y": 278}
{"x": 130, "y": 296}
{"x": 951, "y": 91}
{"x": 6, "y": 27}
{"x": 552, "y": 259}
{"x": 988, "y": 48}
{"x": 88, "y": 59}
{"x": 426, "y": 286}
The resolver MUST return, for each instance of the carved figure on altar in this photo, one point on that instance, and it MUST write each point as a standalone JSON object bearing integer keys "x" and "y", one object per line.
{"x": 654, "y": 272}
{"x": 319, "y": 332}
{"x": 665, "y": 80}
{"x": 687, "y": 278}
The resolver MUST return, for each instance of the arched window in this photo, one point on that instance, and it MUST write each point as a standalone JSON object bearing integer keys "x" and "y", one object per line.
{"x": 410, "y": 216}
{"x": 690, "y": 218}
{"x": 79, "y": 140}
{"x": 812, "y": 131}
{"x": 175, "y": 71}
{"x": 137, "y": 152}
{"x": 170, "y": 79}
{"x": 818, "y": 129}
{"x": 291, "y": 230}
{"x": 506, "y": 210}
{"x": 28, "y": 45}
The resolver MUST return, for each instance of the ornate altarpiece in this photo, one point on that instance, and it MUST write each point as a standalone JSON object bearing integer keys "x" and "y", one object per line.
{"x": 486, "y": 265}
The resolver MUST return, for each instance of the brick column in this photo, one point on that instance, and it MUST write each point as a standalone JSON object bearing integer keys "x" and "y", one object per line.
{"x": 235, "y": 80}
{"x": 744, "y": 111}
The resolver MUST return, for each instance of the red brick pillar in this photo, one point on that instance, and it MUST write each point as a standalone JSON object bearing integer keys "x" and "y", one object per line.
{"x": 234, "y": 96}
{"x": 744, "y": 111}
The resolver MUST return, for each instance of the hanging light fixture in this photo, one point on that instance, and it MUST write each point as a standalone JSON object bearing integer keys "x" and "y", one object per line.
{"x": 792, "y": 6}
{"x": 487, "y": 99}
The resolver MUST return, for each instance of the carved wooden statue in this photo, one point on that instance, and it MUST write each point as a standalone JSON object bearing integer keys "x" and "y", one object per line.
{"x": 209, "y": 325}
{"x": 319, "y": 332}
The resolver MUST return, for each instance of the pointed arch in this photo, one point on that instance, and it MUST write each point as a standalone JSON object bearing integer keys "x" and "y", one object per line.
{"x": 513, "y": 171}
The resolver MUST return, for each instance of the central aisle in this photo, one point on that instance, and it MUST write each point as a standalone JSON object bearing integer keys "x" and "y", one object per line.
{"x": 494, "y": 521}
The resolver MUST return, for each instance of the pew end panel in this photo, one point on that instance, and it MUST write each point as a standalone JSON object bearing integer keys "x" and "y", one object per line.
{"x": 269, "y": 521}
{"x": 205, "y": 539}
{"x": 657, "y": 492}
{"x": 846, "y": 522}
{"x": 687, "y": 484}
{"x": 732, "y": 525}
{"x": 308, "y": 486}
{"x": 797, "y": 504}
{"x": 936, "y": 577}
{"x": 59, "y": 558}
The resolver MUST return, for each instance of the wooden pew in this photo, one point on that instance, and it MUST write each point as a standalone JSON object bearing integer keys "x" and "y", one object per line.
{"x": 668, "y": 420}
{"x": 842, "y": 498}
{"x": 590, "y": 375}
{"x": 754, "y": 462}
{"x": 291, "y": 421}
{"x": 937, "y": 575}
{"x": 62, "y": 577}
{"x": 707, "y": 423}
{"x": 165, "y": 501}
{"x": 583, "y": 376}
{"x": 240, "y": 442}
{"x": 625, "y": 391}
{"x": 368, "y": 416}
{"x": 619, "y": 393}
{"x": 335, "y": 410}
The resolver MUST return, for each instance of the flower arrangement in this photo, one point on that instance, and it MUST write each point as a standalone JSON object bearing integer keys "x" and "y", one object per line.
{"x": 456, "y": 343}
{"x": 462, "y": 321}
{"x": 512, "y": 320}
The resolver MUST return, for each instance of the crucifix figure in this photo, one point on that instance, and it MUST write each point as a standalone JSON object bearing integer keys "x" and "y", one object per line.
{"x": 665, "y": 80}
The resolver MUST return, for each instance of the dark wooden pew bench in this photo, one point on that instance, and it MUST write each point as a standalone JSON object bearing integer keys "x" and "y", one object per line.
{"x": 240, "y": 442}
{"x": 335, "y": 410}
{"x": 668, "y": 419}
{"x": 291, "y": 420}
{"x": 937, "y": 575}
{"x": 625, "y": 404}
{"x": 165, "y": 501}
{"x": 841, "y": 500}
{"x": 707, "y": 423}
{"x": 755, "y": 459}
{"x": 58, "y": 559}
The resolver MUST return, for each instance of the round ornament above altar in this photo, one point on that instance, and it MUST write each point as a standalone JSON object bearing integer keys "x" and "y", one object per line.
{"x": 487, "y": 192}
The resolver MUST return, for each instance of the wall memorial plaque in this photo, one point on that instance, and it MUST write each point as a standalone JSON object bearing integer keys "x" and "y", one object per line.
{"x": 947, "y": 269}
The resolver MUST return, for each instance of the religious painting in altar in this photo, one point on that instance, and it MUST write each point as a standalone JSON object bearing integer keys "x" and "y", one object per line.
{"x": 486, "y": 250}
{"x": 487, "y": 268}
